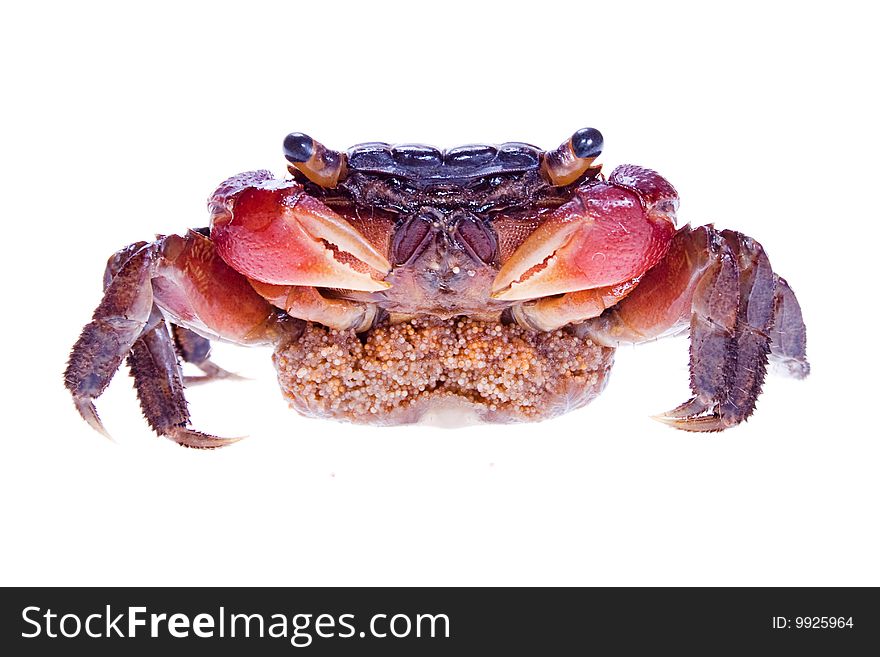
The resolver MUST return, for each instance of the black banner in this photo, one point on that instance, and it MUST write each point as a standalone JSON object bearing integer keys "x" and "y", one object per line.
{"x": 412, "y": 621}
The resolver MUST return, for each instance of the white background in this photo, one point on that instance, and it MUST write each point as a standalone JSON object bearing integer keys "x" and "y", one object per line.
{"x": 119, "y": 120}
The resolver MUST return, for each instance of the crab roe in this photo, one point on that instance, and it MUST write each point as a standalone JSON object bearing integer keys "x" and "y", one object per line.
{"x": 505, "y": 373}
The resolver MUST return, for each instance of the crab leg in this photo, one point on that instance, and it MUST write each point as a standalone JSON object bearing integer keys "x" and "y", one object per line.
{"x": 714, "y": 305}
{"x": 551, "y": 313}
{"x": 307, "y": 303}
{"x": 195, "y": 349}
{"x": 158, "y": 381}
{"x": 186, "y": 279}
{"x": 721, "y": 285}
{"x": 788, "y": 337}
{"x": 116, "y": 323}
{"x": 754, "y": 319}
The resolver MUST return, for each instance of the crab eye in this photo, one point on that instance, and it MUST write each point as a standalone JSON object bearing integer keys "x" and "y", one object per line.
{"x": 587, "y": 143}
{"x": 316, "y": 162}
{"x": 574, "y": 158}
{"x": 298, "y": 147}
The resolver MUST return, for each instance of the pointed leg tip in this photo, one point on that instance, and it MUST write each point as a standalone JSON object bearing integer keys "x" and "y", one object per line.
{"x": 672, "y": 421}
{"x": 692, "y": 407}
{"x": 198, "y": 440}
{"x": 89, "y": 413}
{"x": 798, "y": 369}
{"x": 213, "y": 372}
{"x": 663, "y": 418}
{"x": 695, "y": 423}
{"x": 191, "y": 381}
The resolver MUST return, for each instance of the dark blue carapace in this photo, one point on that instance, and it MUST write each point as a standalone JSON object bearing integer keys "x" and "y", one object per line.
{"x": 418, "y": 161}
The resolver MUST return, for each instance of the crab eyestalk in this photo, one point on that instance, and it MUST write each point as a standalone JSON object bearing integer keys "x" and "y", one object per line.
{"x": 314, "y": 160}
{"x": 573, "y": 158}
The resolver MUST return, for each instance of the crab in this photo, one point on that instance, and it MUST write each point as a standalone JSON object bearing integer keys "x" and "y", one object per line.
{"x": 493, "y": 281}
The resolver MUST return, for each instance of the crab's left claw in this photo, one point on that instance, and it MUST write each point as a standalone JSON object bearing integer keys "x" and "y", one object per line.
{"x": 609, "y": 233}
{"x": 300, "y": 241}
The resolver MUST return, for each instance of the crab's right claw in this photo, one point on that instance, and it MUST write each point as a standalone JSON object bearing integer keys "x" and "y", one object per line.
{"x": 300, "y": 241}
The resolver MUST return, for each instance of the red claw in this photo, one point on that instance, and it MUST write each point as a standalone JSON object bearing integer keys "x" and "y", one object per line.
{"x": 609, "y": 233}
{"x": 275, "y": 233}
